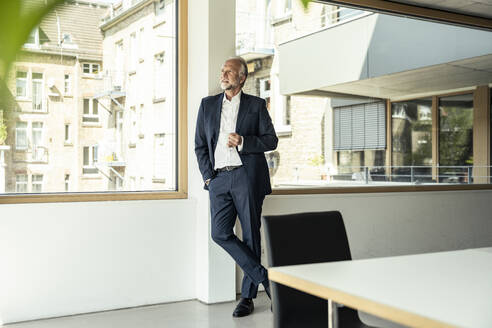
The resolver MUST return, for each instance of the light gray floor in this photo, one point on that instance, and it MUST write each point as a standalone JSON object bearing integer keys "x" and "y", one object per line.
{"x": 176, "y": 315}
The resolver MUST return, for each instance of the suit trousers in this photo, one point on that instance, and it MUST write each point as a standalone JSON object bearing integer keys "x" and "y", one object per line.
{"x": 231, "y": 195}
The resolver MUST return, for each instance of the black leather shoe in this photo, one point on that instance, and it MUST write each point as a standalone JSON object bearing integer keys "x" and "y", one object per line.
{"x": 244, "y": 307}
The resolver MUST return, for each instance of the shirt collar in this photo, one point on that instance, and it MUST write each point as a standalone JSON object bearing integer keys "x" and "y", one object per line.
{"x": 235, "y": 99}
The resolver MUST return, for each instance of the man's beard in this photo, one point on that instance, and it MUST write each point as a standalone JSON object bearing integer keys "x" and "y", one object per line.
{"x": 225, "y": 86}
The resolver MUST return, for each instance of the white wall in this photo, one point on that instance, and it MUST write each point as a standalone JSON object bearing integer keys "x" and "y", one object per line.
{"x": 385, "y": 224}
{"x": 60, "y": 259}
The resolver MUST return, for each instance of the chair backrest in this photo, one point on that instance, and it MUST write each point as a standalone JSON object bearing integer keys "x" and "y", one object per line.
{"x": 300, "y": 239}
{"x": 305, "y": 238}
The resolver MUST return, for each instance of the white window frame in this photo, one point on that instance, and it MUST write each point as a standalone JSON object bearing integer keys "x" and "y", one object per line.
{"x": 158, "y": 137}
{"x": 133, "y": 125}
{"x": 133, "y": 51}
{"x": 92, "y": 159}
{"x": 41, "y": 96}
{"x": 67, "y": 182}
{"x": 159, "y": 76}
{"x": 280, "y": 108}
{"x": 38, "y": 150}
{"x": 141, "y": 44}
{"x": 92, "y": 68}
{"x": 34, "y": 183}
{"x": 67, "y": 84}
{"x": 67, "y": 133}
{"x": 22, "y": 79}
{"x": 91, "y": 114}
{"x": 17, "y": 129}
{"x": 19, "y": 183}
{"x": 35, "y": 31}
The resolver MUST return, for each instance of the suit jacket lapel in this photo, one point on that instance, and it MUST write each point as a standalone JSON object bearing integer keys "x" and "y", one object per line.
{"x": 243, "y": 110}
{"x": 217, "y": 118}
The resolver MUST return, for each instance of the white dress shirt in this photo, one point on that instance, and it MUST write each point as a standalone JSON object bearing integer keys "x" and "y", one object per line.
{"x": 224, "y": 155}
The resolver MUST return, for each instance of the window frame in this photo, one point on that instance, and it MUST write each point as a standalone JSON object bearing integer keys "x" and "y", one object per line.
{"x": 412, "y": 188}
{"x": 181, "y": 191}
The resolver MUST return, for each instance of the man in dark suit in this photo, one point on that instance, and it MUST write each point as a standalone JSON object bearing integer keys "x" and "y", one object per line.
{"x": 233, "y": 131}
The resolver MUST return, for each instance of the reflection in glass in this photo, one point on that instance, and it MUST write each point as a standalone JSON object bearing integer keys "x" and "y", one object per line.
{"x": 456, "y": 138}
{"x": 412, "y": 140}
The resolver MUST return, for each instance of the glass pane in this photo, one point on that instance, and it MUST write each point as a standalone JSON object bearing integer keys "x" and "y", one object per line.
{"x": 456, "y": 138}
{"x": 95, "y": 104}
{"x": 86, "y": 106}
{"x": 412, "y": 140}
{"x": 86, "y": 155}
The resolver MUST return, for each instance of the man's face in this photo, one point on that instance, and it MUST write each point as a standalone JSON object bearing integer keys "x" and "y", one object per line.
{"x": 229, "y": 76}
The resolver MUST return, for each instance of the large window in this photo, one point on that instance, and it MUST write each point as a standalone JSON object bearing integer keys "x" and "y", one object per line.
{"x": 456, "y": 138}
{"x": 411, "y": 134}
{"x": 101, "y": 117}
{"x": 356, "y": 101}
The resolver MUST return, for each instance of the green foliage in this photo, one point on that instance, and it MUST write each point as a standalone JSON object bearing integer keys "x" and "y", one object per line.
{"x": 15, "y": 25}
{"x": 456, "y": 137}
{"x": 317, "y": 160}
{"x": 305, "y": 3}
{"x": 3, "y": 129}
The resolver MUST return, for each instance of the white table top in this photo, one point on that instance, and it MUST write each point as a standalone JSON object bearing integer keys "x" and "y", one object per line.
{"x": 445, "y": 289}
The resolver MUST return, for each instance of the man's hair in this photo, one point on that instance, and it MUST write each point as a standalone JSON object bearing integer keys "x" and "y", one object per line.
{"x": 243, "y": 69}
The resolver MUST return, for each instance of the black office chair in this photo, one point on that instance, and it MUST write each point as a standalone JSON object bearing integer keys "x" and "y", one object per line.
{"x": 300, "y": 239}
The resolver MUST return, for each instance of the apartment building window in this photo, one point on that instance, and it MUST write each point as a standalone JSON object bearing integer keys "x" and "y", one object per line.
{"x": 37, "y": 141}
{"x": 33, "y": 38}
{"x": 37, "y": 92}
{"x": 67, "y": 182}
{"x": 91, "y": 111}
{"x": 133, "y": 126}
{"x": 21, "y": 135}
{"x": 47, "y": 94}
{"x": 265, "y": 87}
{"x": 67, "y": 84}
{"x": 284, "y": 8}
{"x": 159, "y": 157}
{"x": 160, "y": 76}
{"x": 21, "y": 84}
{"x": 37, "y": 183}
{"x": 68, "y": 138}
{"x": 286, "y": 112}
{"x": 133, "y": 51}
{"x": 91, "y": 68}
{"x": 21, "y": 183}
{"x": 141, "y": 44}
{"x": 160, "y": 6}
{"x": 90, "y": 160}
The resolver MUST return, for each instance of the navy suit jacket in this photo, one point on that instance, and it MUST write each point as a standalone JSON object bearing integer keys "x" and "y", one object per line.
{"x": 254, "y": 125}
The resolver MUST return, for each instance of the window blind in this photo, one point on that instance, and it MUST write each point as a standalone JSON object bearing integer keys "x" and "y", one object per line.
{"x": 361, "y": 126}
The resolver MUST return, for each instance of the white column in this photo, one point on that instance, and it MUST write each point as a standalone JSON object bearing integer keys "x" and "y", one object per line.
{"x": 211, "y": 40}
{"x": 3, "y": 165}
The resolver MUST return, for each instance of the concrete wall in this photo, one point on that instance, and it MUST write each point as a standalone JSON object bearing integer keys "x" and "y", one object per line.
{"x": 373, "y": 46}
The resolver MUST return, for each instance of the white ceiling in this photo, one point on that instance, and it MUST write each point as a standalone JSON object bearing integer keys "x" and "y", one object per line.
{"x": 453, "y": 75}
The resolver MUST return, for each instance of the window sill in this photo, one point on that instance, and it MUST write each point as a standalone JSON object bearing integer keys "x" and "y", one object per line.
{"x": 158, "y": 180}
{"x": 132, "y": 72}
{"x": 284, "y": 131}
{"x": 68, "y": 96}
{"x": 91, "y": 125}
{"x": 282, "y": 19}
{"x": 91, "y": 76}
{"x": 93, "y": 176}
{"x": 158, "y": 22}
{"x": 132, "y": 145}
{"x": 63, "y": 197}
{"x": 140, "y": 60}
{"x": 378, "y": 189}
{"x": 158, "y": 100}
{"x": 68, "y": 144}
{"x": 23, "y": 99}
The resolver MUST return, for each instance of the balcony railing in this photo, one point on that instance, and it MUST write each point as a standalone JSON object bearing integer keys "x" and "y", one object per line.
{"x": 255, "y": 36}
{"x": 414, "y": 174}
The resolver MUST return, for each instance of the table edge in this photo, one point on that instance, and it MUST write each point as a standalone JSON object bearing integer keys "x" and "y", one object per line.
{"x": 356, "y": 302}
